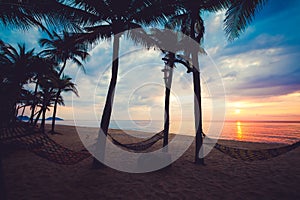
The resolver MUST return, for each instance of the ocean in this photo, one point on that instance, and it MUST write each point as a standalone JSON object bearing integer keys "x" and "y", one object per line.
{"x": 250, "y": 131}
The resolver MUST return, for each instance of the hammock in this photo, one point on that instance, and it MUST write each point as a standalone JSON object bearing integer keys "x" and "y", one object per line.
{"x": 254, "y": 155}
{"x": 42, "y": 145}
{"x": 18, "y": 130}
{"x": 139, "y": 146}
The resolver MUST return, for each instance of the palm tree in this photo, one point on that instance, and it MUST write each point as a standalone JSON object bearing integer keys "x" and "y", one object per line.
{"x": 172, "y": 45}
{"x": 238, "y": 16}
{"x": 48, "y": 97}
{"x": 62, "y": 85}
{"x": 17, "y": 70}
{"x": 19, "y": 67}
{"x": 111, "y": 19}
{"x": 192, "y": 25}
{"x": 24, "y": 100}
{"x": 42, "y": 67}
{"x": 63, "y": 48}
{"x": 35, "y": 100}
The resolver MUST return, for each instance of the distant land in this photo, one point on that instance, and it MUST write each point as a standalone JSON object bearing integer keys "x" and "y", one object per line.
{"x": 24, "y": 118}
{"x": 56, "y": 118}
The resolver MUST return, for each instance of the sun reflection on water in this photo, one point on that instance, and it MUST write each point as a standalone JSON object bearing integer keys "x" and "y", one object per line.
{"x": 239, "y": 130}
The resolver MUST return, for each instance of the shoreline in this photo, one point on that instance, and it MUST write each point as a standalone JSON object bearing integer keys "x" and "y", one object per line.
{"x": 28, "y": 176}
{"x": 255, "y": 121}
{"x": 278, "y": 133}
{"x": 187, "y": 135}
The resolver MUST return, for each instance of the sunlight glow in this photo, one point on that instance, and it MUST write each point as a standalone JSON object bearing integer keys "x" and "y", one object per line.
{"x": 239, "y": 130}
{"x": 237, "y": 111}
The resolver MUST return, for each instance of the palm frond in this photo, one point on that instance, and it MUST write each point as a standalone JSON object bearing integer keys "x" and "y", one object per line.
{"x": 96, "y": 9}
{"x": 215, "y": 5}
{"x": 54, "y": 14}
{"x": 44, "y": 42}
{"x": 199, "y": 29}
{"x": 239, "y": 15}
{"x": 139, "y": 36}
{"x": 94, "y": 34}
{"x": 79, "y": 64}
{"x": 154, "y": 12}
{"x": 64, "y": 47}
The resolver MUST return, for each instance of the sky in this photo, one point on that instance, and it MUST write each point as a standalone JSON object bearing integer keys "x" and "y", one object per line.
{"x": 255, "y": 77}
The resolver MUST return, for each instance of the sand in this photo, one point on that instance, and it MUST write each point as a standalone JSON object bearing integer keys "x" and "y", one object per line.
{"x": 30, "y": 177}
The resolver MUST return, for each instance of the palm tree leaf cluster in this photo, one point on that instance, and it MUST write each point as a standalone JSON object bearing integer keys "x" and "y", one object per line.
{"x": 239, "y": 14}
{"x": 42, "y": 13}
{"x": 63, "y": 48}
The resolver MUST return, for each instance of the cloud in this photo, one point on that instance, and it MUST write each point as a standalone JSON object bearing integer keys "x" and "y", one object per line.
{"x": 264, "y": 60}
{"x": 230, "y": 75}
{"x": 262, "y": 41}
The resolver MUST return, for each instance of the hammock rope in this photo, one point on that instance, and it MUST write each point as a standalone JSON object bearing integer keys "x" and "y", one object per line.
{"x": 254, "y": 155}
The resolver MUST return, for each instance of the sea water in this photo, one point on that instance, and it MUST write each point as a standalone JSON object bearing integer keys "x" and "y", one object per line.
{"x": 250, "y": 131}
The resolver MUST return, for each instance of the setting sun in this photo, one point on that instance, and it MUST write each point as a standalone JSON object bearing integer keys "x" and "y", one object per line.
{"x": 237, "y": 111}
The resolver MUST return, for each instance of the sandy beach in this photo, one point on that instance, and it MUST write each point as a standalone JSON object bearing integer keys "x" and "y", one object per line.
{"x": 28, "y": 176}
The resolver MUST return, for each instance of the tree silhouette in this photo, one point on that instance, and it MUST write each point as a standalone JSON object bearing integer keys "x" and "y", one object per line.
{"x": 16, "y": 70}
{"x": 48, "y": 96}
{"x": 42, "y": 68}
{"x": 111, "y": 19}
{"x": 63, "y": 48}
{"x": 238, "y": 15}
{"x": 63, "y": 84}
{"x": 173, "y": 45}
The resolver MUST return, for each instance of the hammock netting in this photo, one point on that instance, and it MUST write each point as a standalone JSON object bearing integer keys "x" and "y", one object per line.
{"x": 254, "y": 155}
{"x": 139, "y": 146}
{"x": 41, "y": 145}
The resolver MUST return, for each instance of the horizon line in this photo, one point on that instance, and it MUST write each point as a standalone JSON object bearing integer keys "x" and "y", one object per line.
{"x": 258, "y": 121}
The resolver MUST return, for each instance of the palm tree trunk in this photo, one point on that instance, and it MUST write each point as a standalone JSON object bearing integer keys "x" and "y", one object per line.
{"x": 43, "y": 119}
{"x": 34, "y": 102}
{"x": 197, "y": 97}
{"x": 111, "y": 91}
{"x": 54, "y": 111}
{"x": 109, "y": 101}
{"x": 63, "y": 68}
{"x": 32, "y": 113}
{"x": 167, "y": 116}
{"x": 38, "y": 116}
{"x": 168, "y": 84}
{"x": 23, "y": 111}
